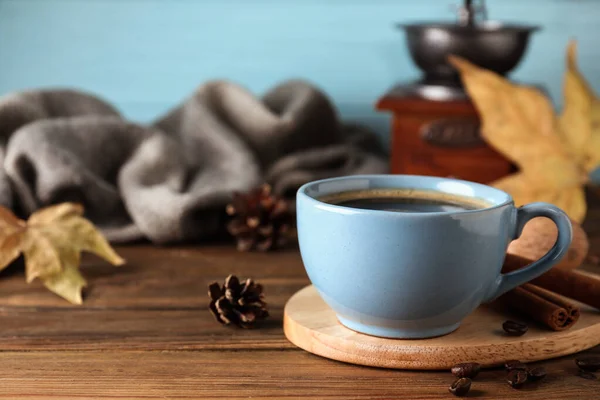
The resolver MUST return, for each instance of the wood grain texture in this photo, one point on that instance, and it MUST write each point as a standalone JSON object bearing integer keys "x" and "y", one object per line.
{"x": 161, "y": 278}
{"x": 271, "y": 374}
{"x": 144, "y": 333}
{"x": 312, "y": 325}
{"x": 158, "y": 301}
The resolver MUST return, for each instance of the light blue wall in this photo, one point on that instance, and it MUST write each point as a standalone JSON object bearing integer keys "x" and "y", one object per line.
{"x": 145, "y": 55}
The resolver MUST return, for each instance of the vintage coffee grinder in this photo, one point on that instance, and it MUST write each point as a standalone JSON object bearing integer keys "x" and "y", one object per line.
{"x": 435, "y": 127}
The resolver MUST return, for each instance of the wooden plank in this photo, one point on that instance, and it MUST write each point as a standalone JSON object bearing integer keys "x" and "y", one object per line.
{"x": 158, "y": 301}
{"x": 163, "y": 278}
{"x": 153, "y": 330}
{"x": 290, "y": 374}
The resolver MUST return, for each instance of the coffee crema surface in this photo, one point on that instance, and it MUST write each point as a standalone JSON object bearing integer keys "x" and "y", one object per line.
{"x": 405, "y": 200}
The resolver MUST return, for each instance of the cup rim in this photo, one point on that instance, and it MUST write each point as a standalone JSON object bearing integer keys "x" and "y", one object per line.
{"x": 302, "y": 194}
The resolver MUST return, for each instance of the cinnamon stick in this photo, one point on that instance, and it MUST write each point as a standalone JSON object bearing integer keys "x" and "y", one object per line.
{"x": 572, "y": 309}
{"x": 572, "y": 284}
{"x": 542, "y": 305}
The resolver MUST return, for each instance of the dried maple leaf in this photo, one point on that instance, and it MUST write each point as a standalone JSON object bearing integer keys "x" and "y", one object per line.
{"x": 51, "y": 241}
{"x": 554, "y": 155}
{"x": 580, "y": 119}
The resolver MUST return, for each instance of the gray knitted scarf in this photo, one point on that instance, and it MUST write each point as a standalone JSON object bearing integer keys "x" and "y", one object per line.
{"x": 169, "y": 181}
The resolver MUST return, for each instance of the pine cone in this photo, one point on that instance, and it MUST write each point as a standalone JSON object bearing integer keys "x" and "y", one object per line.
{"x": 236, "y": 303}
{"x": 260, "y": 220}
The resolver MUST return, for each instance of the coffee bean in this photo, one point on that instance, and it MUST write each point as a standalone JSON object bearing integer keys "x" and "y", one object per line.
{"x": 516, "y": 378}
{"x": 515, "y": 364}
{"x": 466, "y": 370}
{"x": 514, "y": 328}
{"x": 587, "y": 375}
{"x": 460, "y": 387}
{"x": 537, "y": 373}
{"x": 590, "y": 364}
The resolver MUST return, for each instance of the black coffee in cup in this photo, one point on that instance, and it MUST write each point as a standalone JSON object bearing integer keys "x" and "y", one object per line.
{"x": 405, "y": 200}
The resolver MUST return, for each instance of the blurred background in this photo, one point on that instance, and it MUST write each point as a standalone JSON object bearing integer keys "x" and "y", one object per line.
{"x": 144, "y": 56}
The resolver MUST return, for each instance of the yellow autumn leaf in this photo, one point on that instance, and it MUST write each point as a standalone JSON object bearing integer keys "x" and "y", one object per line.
{"x": 41, "y": 256}
{"x": 54, "y": 213}
{"x": 9, "y": 249}
{"x": 11, "y": 229}
{"x": 519, "y": 122}
{"x": 51, "y": 241}
{"x": 524, "y": 191}
{"x": 79, "y": 234}
{"x": 68, "y": 282}
{"x": 580, "y": 119}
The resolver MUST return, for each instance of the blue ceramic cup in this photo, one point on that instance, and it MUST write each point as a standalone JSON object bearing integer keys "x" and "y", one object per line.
{"x": 414, "y": 275}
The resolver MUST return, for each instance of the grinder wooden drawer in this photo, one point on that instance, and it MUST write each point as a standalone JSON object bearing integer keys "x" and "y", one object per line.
{"x": 447, "y": 146}
{"x": 439, "y": 137}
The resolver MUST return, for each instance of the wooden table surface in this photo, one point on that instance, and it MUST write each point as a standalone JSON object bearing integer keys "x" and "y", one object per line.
{"x": 144, "y": 332}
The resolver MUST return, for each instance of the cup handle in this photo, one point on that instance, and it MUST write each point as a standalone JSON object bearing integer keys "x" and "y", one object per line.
{"x": 506, "y": 282}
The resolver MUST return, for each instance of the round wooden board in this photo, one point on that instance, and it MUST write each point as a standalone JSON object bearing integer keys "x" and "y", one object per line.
{"x": 311, "y": 325}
